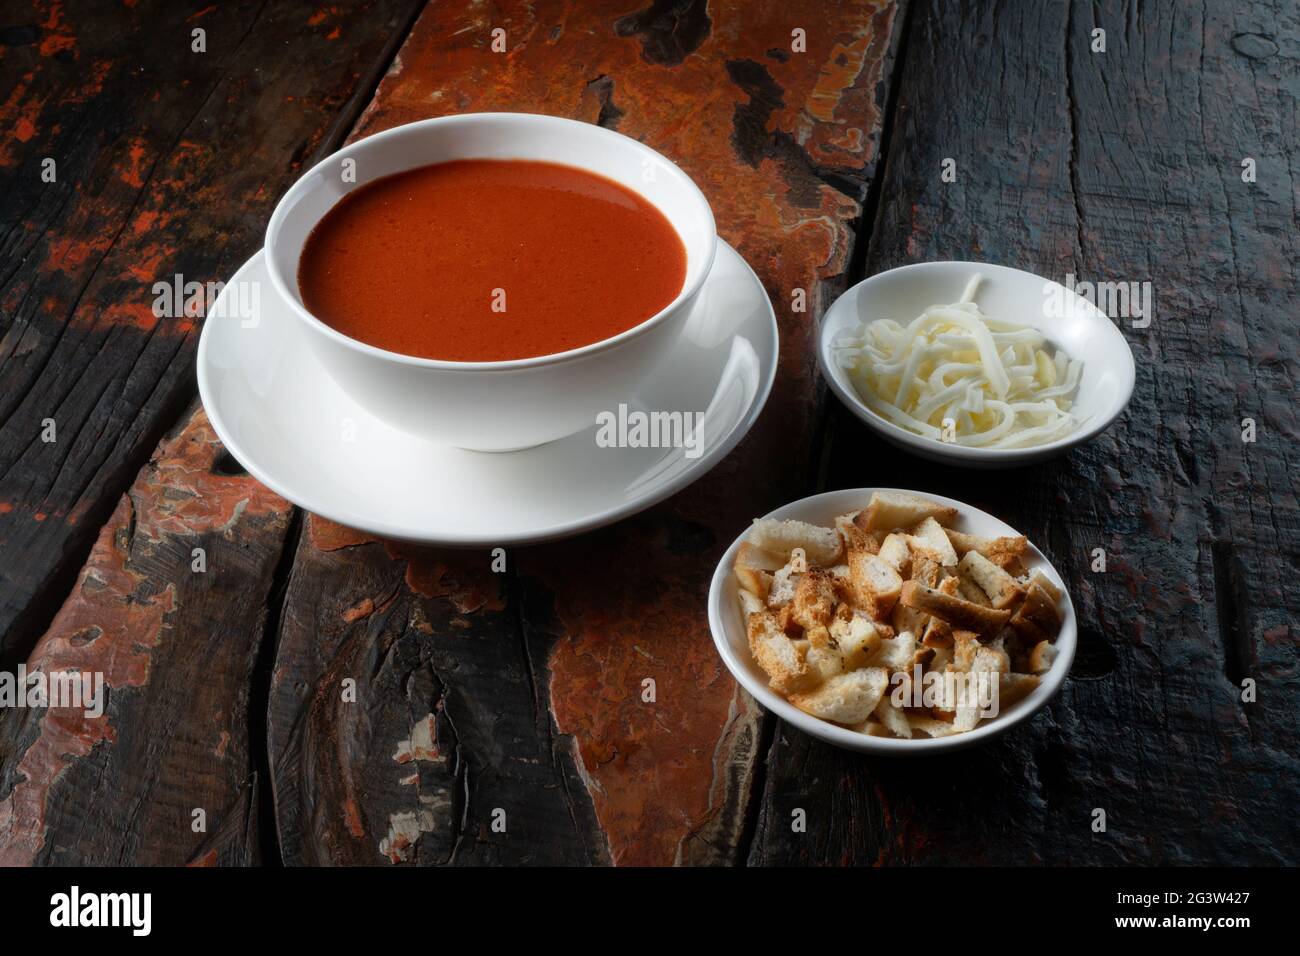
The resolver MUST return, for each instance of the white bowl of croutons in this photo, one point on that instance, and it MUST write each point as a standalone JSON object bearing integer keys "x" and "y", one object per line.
{"x": 891, "y": 622}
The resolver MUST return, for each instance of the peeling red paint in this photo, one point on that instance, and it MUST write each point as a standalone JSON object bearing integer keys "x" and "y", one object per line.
{"x": 148, "y": 220}
{"x": 20, "y": 111}
{"x": 465, "y": 577}
{"x": 68, "y": 254}
{"x": 352, "y": 815}
{"x": 126, "y": 611}
{"x": 326, "y": 535}
{"x": 139, "y": 315}
{"x": 59, "y": 35}
{"x": 651, "y": 763}
{"x": 133, "y": 173}
{"x": 362, "y": 609}
{"x": 116, "y": 599}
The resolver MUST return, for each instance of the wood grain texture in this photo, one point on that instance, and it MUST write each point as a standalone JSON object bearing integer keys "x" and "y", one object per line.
{"x": 782, "y": 143}
{"x": 414, "y": 699}
{"x": 408, "y": 721}
{"x": 1119, "y": 166}
{"x": 176, "y": 644}
{"x": 168, "y": 161}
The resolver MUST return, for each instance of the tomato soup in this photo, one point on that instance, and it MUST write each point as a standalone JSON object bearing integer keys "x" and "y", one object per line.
{"x": 487, "y": 260}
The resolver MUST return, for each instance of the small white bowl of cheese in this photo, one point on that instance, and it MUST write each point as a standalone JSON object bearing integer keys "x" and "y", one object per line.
{"x": 968, "y": 362}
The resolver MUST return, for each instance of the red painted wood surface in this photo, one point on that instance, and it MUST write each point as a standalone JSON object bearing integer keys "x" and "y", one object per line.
{"x": 170, "y": 609}
{"x": 167, "y": 161}
{"x": 773, "y": 138}
{"x": 517, "y": 696}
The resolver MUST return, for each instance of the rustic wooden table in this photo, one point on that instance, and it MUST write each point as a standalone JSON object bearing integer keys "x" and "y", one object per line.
{"x": 821, "y": 133}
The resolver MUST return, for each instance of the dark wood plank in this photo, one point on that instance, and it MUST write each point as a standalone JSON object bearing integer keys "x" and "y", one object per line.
{"x": 407, "y": 719}
{"x": 534, "y": 686}
{"x": 1122, "y": 166}
{"x": 168, "y": 162}
{"x": 165, "y": 164}
{"x": 176, "y": 645}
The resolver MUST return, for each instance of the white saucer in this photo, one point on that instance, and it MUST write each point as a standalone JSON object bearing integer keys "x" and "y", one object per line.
{"x": 286, "y": 421}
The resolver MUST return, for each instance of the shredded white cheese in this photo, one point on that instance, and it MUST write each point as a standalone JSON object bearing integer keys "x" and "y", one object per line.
{"x": 953, "y": 374}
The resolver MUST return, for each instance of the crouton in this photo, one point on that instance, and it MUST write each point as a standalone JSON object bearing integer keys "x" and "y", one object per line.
{"x": 1037, "y": 618}
{"x": 825, "y": 661}
{"x": 895, "y": 552}
{"x": 783, "y": 660}
{"x": 1014, "y": 687}
{"x": 964, "y": 646}
{"x": 814, "y": 599}
{"x": 750, "y": 603}
{"x": 781, "y": 589}
{"x": 966, "y": 717}
{"x": 968, "y": 590}
{"x": 858, "y": 639}
{"x": 904, "y": 618}
{"x": 822, "y": 545}
{"x": 958, "y": 613}
{"x": 751, "y": 556}
{"x": 875, "y": 583}
{"x": 873, "y": 728}
{"x": 854, "y": 537}
{"x": 930, "y": 726}
{"x": 1042, "y": 657}
{"x": 893, "y": 718}
{"x": 929, "y": 539}
{"x": 937, "y": 633}
{"x": 1046, "y": 583}
{"x": 897, "y": 653}
{"x": 846, "y": 698}
{"x": 754, "y": 569}
{"x": 1001, "y": 588}
{"x": 890, "y": 510}
{"x": 991, "y": 660}
{"x": 926, "y": 570}
{"x": 1009, "y": 563}
{"x": 755, "y": 581}
{"x": 818, "y": 636}
{"x": 962, "y": 543}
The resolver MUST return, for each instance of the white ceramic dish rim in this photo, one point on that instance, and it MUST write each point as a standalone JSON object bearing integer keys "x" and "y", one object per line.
{"x": 723, "y": 586}
{"x": 688, "y": 289}
{"x": 849, "y": 396}
{"x": 549, "y": 533}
